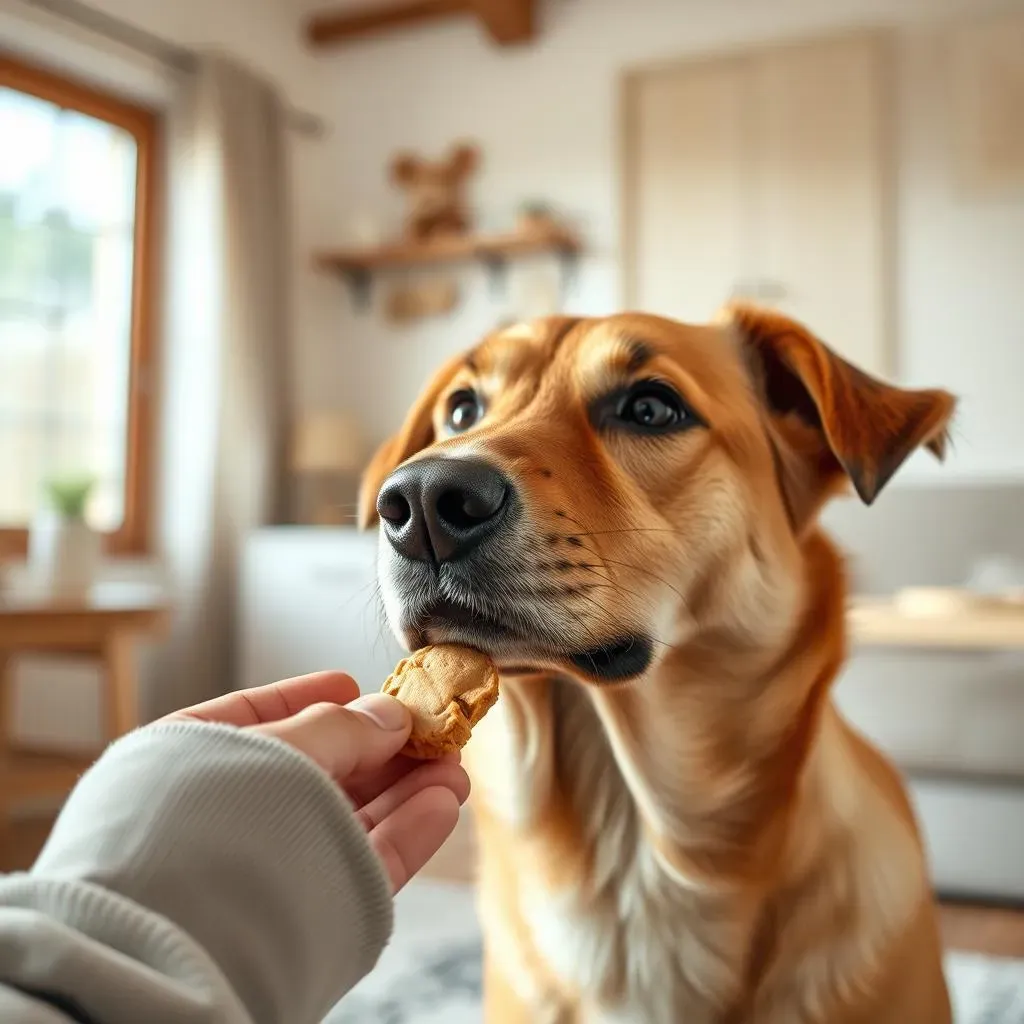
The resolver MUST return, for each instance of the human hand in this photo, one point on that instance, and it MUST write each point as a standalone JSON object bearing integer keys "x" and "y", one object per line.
{"x": 408, "y": 808}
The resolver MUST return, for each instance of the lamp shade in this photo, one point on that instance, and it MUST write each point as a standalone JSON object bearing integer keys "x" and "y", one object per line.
{"x": 327, "y": 442}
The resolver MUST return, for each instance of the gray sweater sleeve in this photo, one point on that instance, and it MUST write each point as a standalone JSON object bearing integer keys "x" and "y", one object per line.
{"x": 198, "y": 874}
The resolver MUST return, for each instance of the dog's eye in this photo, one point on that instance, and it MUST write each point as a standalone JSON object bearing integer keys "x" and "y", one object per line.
{"x": 463, "y": 410}
{"x": 652, "y": 407}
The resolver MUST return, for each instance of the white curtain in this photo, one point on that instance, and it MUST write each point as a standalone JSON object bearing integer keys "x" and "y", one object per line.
{"x": 224, "y": 384}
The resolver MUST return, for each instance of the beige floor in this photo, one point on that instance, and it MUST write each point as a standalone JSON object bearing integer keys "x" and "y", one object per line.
{"x": 997, "y": 931}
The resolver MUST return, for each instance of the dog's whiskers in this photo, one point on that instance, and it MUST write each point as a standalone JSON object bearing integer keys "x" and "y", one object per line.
{"x": 646, "y": 572}
{"x": 630, "y": 529}
{"x": 606, "y": 623}
{"x": 610, "y": 579}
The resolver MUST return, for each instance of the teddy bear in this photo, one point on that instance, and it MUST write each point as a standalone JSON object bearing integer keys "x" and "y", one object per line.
{"x": 435, "y": 192}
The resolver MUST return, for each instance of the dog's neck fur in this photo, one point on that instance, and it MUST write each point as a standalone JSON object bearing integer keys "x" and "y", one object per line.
{"x": 689, "y": 798}
{"x": 702, "y": 747}
{"x": 712, "y": 758}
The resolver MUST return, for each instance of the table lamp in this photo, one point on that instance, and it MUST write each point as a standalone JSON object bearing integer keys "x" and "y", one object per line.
{"x": 327, "y": 457}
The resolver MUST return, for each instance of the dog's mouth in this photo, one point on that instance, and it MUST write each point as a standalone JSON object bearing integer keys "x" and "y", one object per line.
{"x": 616, "y": 661}
{"x": 522, "y": 646}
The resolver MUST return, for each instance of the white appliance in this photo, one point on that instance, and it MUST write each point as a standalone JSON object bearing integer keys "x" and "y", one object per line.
{"x": 309, "y": 602}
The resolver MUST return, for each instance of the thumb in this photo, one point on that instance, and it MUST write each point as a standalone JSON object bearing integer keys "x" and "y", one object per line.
{"x": 343, "y": 739}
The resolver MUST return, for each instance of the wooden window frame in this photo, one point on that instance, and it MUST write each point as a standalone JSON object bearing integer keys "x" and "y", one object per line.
{"x": 143, "y": 124}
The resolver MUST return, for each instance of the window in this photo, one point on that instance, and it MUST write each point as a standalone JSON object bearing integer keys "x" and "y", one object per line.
{"x": 77, "y": 195}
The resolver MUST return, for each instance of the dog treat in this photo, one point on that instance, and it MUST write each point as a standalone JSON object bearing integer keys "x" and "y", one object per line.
{"x": 448, "y": 689}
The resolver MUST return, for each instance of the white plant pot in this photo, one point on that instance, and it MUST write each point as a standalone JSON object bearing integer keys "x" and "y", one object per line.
{"x": 63, "y": 555}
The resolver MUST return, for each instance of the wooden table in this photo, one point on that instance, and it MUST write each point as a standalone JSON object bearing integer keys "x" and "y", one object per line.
{"x": 105, "y": 626}
{"x": 980, "y": 625}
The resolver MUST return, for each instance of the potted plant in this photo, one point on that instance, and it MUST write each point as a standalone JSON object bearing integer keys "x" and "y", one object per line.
{"x": 64, "y": 551}
{"x": 535, "y": 217}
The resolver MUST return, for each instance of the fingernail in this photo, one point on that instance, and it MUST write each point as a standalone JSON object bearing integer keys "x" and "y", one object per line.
{"x": 387, "y": 712}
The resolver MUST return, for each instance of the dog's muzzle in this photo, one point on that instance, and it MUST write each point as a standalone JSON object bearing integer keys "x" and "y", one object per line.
{"x": 462, "y": 566}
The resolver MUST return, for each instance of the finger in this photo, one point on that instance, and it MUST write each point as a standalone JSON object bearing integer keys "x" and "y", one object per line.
{"x": 451, "y": 776}
{"x": 405, "y": 840}
{"x": 274, "y": 701}
{"x": 360, "y": 737}
{"x": 362, "y": 787}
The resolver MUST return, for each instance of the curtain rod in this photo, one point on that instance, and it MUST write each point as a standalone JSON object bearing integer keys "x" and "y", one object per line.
{"x": 167, "y": 53}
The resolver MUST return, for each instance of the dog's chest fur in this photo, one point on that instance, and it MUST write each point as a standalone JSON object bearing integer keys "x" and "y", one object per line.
{"x": 636, "y": 943}
{"x": 630, "y": 939}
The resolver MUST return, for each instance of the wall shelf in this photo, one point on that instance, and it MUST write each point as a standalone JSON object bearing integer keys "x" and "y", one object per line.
{"x": 357, "y": 266}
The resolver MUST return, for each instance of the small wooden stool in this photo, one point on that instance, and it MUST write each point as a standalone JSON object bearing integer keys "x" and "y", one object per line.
{"x": 103, "y": 626}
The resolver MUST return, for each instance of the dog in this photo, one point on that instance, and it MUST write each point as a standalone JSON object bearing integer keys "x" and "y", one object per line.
{"x": 676, "y": 826}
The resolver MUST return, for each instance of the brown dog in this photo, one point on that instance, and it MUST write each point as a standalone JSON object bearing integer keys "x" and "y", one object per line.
{"x": 676, "y": 825}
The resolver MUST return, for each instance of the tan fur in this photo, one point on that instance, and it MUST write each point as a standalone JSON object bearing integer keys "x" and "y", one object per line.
{"x": 710, "y": 843}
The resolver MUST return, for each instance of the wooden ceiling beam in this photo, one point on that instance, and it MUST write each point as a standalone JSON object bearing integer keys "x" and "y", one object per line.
{"x": 506, "y": 21}
{"x": 332, "y": 27}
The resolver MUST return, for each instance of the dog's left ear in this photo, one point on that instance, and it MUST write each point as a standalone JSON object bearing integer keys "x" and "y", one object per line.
{"x": 865, "y": 428}
{"x": 416, "y": 433}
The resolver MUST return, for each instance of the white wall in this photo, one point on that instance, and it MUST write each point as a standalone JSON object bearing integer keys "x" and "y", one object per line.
{"x": 547, "y": 118}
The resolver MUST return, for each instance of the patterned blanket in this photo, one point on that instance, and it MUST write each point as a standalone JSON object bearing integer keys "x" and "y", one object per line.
{"x": 432, "y": 974}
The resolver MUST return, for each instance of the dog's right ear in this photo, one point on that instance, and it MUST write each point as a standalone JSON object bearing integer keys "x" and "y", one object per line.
{"x": 835, "y": 422}
{"x": 416, "y": 433}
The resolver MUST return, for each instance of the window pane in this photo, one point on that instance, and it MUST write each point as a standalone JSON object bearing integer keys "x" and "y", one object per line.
{"x": 67, "y": 196}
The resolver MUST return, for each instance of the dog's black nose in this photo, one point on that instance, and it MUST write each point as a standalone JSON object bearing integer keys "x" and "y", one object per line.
{"x": 438, "y": 510}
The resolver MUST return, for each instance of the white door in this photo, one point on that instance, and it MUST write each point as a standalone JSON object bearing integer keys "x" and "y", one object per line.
{"x": 765, "y": 176}
{"x": 687, "y": 193}
{"x": 821, "y": 182}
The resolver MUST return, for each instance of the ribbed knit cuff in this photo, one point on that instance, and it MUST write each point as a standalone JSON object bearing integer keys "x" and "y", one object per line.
{"x": 243, "y": 843}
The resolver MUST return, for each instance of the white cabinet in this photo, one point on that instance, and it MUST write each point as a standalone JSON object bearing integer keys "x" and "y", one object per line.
{"x": 309, "y": 602}
{"x": 766, "y": 176}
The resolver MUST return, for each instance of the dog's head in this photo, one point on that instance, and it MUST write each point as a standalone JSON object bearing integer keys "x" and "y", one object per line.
{"x": 581, "y": 495}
